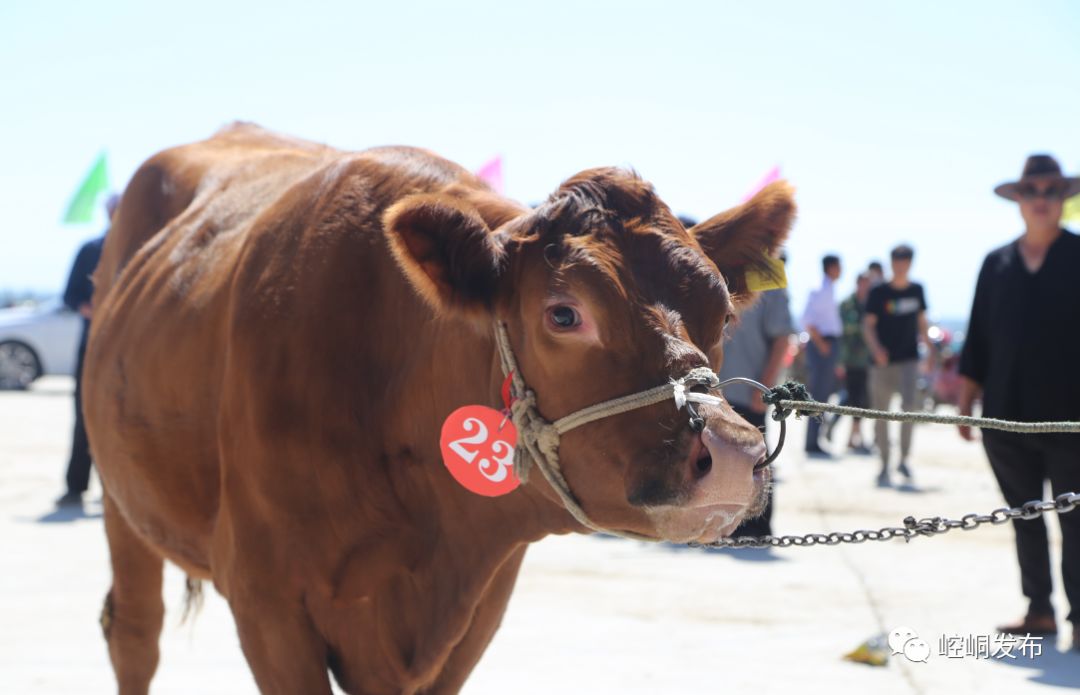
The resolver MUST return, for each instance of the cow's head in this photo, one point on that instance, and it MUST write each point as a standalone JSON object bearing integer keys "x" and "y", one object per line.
{"x": 604, "y": 294}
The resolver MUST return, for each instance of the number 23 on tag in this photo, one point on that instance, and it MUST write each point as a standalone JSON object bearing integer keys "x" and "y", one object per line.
{"x": 477, "y": 445}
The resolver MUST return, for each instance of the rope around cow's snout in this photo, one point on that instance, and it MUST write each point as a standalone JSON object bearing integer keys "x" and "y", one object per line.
{"x": 538, "y": 439}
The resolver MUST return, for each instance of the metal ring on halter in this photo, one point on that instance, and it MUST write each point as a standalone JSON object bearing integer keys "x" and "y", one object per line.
{"x": 765, "y": 390}
{"x": 697, "y": 423}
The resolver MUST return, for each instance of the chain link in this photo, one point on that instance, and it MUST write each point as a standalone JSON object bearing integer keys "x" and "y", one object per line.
{"x": 930, "y": 526}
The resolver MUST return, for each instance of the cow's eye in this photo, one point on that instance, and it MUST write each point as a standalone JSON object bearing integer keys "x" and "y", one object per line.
{"x": 563, "y": 317}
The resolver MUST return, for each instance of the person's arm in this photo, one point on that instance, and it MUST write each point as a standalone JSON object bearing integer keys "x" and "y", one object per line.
{"x": 881, "y": 356}
{"x": 924, "y": 336}
{"x": 73, "y": 293}
{"x": 778, "y": 328}
{"x": 973, "y": 358}
{"x": 819, "y": 340}
{"x": 810, "y": 322}
{"x": 924, "y": 328}
{"x": 770, "y": 374}
{"x": 970, "y": 391}
{"x": 874, "y": 305}
{"x": 850, "y": 327}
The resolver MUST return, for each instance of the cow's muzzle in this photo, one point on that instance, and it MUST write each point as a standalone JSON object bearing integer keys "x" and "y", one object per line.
{"x": 538, "y": 438}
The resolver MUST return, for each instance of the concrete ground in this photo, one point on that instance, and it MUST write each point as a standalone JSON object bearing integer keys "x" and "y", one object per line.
{"x": 590, "y": 615}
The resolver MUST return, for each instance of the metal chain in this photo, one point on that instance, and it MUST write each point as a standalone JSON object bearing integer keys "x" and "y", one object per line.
{"x": 930, "y": 526}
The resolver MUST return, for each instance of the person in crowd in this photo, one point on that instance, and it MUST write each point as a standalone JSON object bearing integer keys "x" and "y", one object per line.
{"x": 756, "y": 349}
{"x": 854, "y": 361}
{"x": 78, "y": 297}
{"x": 1019, "y": 358}
{"x": 821, "y": 321}
{"x": 894, "y": 324}
{"x": 877, "y": 273}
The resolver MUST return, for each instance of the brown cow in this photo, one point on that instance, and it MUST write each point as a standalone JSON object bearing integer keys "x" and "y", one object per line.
{"x": 281, "y": 329}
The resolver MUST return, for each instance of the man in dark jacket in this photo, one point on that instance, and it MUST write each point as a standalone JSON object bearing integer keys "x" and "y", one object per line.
{"x": 78, "y": 296}
{"x": 1020, "y": 357}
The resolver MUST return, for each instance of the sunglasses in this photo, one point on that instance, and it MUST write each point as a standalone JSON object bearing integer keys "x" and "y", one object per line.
{"x": 1052, "y": 191}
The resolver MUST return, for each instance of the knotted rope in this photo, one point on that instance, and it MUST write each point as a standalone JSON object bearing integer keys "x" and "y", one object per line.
{"x": 538, "y": 439}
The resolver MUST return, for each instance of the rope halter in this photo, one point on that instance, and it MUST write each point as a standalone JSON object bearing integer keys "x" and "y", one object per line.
{"x": 538, "y": 438}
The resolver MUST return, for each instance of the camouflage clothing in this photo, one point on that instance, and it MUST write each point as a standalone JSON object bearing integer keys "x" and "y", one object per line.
{"x": 853, "y": 350}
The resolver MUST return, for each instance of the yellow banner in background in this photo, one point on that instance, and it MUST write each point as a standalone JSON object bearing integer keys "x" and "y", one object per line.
{"x": 773, "y": 279}
{"x": 1071, "y": 214}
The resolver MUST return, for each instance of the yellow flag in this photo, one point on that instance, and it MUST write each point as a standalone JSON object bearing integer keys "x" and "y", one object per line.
{"x": 1072, "y": 210}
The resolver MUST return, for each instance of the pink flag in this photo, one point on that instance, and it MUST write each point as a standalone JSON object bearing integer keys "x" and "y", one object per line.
{"x": 773, "y": 175}
{"x": 491, "y": 174}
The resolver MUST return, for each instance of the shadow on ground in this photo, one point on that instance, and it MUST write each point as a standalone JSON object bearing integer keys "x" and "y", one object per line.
{"x": 742, "y": 554}
{"x": 66, "y": 515}
{"x": 1052, "y": 667}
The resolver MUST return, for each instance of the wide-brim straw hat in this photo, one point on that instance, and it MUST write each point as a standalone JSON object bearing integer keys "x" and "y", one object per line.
{"x": 1039, "y": 167}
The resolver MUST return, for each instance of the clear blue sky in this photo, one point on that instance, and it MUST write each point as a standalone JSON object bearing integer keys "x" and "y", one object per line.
{"x": 894, "y": 120}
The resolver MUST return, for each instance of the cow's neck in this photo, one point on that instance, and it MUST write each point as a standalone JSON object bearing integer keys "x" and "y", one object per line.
{"x": 466, "y": 365}
{"x": 456, "y": 545}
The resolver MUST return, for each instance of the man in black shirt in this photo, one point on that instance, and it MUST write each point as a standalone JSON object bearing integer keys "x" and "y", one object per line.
{"x": 77, "y": 296}
{"x": 1020, "y": 356}
{"x": 895, "y": 321}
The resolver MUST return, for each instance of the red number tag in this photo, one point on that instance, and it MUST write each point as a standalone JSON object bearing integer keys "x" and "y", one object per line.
{"x": 478, "y": 449}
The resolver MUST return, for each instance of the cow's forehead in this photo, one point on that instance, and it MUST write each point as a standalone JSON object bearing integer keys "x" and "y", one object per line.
{"x": 606, "y": 197}
{"x": 613, "y": 220}
{"x": 612, "y": 223}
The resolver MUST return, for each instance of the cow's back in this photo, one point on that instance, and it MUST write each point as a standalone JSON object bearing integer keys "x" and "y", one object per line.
{"x": 223, "y": 263}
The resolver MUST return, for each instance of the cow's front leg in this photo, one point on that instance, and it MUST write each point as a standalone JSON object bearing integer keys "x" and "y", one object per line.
{"x": 285, "y": 652}
{"x": 132, "y": 616}
{"x": 486, "y": 621}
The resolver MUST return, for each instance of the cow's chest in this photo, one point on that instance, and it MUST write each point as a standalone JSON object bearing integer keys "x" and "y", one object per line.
{"x": 413, "y": 630}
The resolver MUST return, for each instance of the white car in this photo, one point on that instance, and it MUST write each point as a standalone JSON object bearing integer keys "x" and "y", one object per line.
{"x": 37, "y": 340}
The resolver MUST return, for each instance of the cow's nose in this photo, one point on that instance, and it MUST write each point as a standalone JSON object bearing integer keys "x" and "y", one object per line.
{"x": 722, "y": 472}
{"x": 734, "y": 454}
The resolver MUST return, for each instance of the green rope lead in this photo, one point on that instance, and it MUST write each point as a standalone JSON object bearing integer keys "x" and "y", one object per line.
{"x": 793, "y": 397}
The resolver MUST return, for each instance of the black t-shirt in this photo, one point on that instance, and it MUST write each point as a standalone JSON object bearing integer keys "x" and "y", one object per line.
{"x": 1023, "y": 338}
{"x": 897, "y": 313}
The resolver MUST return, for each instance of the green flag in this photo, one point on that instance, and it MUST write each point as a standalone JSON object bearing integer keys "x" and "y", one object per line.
{"x": 81, "y": 208}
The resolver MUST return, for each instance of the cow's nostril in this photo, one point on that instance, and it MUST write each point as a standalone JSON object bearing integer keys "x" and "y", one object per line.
{"x": 704, "y": 462}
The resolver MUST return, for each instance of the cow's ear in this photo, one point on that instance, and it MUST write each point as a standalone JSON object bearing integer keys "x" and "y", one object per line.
{"x": 446, "y": 251}
{"x": 743, "y": 241}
